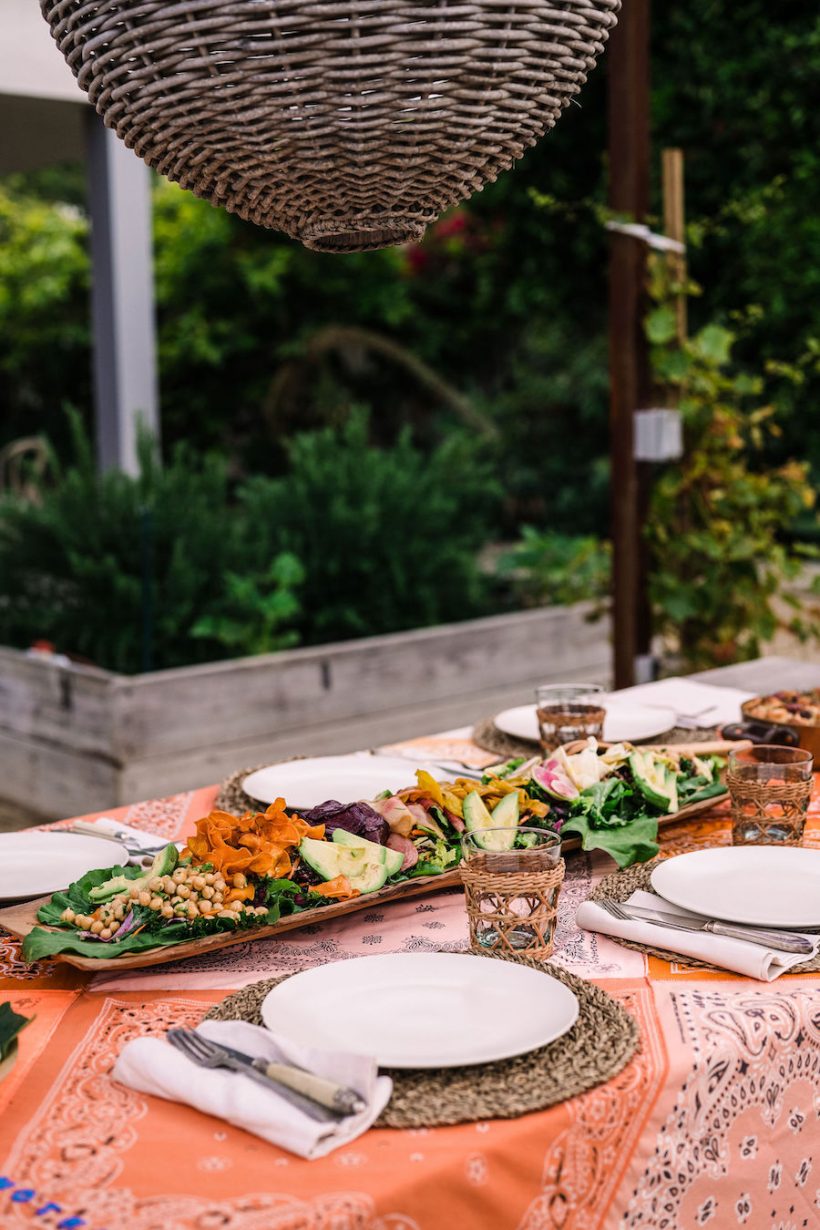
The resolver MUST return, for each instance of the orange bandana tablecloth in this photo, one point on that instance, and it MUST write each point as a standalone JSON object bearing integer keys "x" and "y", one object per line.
{"x": 713, "y": 1123}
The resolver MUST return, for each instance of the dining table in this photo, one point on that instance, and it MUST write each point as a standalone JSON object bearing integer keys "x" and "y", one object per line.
{"x": 712, "y": 1123}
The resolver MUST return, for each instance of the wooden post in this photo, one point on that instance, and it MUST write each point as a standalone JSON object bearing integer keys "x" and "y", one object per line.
{"x": 629, "y": 161}
{"x": 674, "y": 227}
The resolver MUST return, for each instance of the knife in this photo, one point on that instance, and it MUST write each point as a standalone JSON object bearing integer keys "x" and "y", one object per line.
{"x": 782, "y": 941}
{"x": 338, "y": 1098}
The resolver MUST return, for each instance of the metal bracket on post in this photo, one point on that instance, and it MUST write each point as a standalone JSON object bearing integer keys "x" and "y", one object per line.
{"x": 658, "y": 435}
{"x": 122, "y": 298}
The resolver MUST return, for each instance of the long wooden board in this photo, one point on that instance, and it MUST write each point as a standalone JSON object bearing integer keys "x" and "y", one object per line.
{"x": 18, "y": 920}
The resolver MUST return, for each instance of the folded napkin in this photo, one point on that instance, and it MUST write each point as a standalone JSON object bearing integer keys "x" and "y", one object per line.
{"x": 152, "y": 1065}
{"x": 739, "y": 956}
{"x": 700, "y": 704}
{"x": 137, "y": 839}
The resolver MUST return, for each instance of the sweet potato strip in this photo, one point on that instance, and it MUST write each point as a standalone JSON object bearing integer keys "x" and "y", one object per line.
{"x": 256, "y": 842}
{"x": 340, "y": 888}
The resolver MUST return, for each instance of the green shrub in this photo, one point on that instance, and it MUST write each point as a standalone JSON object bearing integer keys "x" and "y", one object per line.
{"x": 388, "y": 537}
{"x": 546, "y": 568}
{"x": 134, "y": 574}
{"x": 720, "y": 562}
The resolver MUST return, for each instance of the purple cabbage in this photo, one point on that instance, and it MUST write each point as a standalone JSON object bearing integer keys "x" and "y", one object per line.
{"x": 358, "y": 818}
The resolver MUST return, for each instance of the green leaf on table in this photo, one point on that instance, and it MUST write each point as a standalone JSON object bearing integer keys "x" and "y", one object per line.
{"x": 629, "y": 843}
{"x": 11, "y": 1023}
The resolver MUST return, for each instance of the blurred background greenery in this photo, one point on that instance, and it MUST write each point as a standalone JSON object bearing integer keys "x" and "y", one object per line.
{"x": 379, "y": 418}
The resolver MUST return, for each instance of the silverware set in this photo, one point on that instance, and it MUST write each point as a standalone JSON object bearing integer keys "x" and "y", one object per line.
{"x": 318, "y": 1097}
{"x": 783, "y": 941}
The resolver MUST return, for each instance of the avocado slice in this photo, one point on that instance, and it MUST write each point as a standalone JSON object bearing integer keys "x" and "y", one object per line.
{"x": 330, "y": 859}
{"x": 163, "y": 864}
{"x": 655, "y": 780}
{"x": 492, "y": 830}
{"x": 392, "y": 859}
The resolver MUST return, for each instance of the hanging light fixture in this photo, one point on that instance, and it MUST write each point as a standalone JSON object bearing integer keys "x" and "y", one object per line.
{"x": 348, "y": 124}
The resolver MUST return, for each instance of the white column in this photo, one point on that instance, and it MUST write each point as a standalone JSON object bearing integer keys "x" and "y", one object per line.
{"x": 122, "y": 298}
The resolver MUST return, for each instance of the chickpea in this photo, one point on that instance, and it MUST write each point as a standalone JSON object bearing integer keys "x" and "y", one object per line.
{"x": 198, "y": 882}
{"x": 96, "y": 927}
{"x": 239, "y": 881}
{"x": 167, "y": 910}
{"x": 193, "y": 910}
{"x": 219, "y": 885}
{"x": 207, "y": 892}
{"x": 156, "y": 903}
{"x": 135, "y": 889}
{"x": 68, "y": 915}
{"x": 119, "y": 910}
{"x": 155, "y": 884}
{"x": 260, "y": 911}
{"x": 218, "y": 902}
{"x": 176, "y": 901}
{"x": 144, "y": 898}
{"x": 183, "y": 890}
{"x": 229, "y": 914}
{"x": 209, "y": 878}
{"x": 169, "y": 887}
{"x": 180, "y": 875}
{"x": 106, "y": 933}
{"x": 205, "y": 906}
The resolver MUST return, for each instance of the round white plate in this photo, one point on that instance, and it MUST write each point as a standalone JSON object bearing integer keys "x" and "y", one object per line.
{"x": 35, "y": 863}
{"x": 422, "y": 1010}
{"x": 625, "y": 721}
{"x": 763, "y": 886}
{"x": 306, "y": 783}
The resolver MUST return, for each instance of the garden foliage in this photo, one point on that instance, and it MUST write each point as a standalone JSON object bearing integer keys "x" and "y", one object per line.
{"x": 176, "y": 566}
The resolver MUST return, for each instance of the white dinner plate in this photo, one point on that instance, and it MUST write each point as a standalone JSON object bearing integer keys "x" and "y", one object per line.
{"x": 422, "y": 1009}
{"x": 35, "y": 863}
{"x": 624, "y": 721}
{"x": 763, "y": 886}
{"x": 306, "y": 783}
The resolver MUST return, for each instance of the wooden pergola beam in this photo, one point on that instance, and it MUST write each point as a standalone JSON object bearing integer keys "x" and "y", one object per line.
{"x": 629, "y": 186}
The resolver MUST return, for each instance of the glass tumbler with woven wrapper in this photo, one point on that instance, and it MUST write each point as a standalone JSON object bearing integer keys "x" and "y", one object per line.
{"x": 770, "y": 788}
{"x": 568, "y": 711}
{"x": 512, "y": 894}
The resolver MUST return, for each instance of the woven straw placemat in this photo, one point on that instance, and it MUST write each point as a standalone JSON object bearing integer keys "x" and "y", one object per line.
{"x": 600, "y": 1043}
{"x": 487, "y": 735}
{"x": 622, "y": 884}
{"x": 232, "y": 797}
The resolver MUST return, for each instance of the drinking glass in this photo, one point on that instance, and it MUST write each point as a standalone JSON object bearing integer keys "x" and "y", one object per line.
{"x": 512, "y": 894}
{"x": 770, "y": 787}
{"x": 568, "y": 711}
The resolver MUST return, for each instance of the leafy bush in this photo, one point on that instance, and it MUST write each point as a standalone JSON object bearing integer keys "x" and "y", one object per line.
{"x": 719, "y": 561}
{"x": 135, "y": 574}
{"x": 172, "y": 568}
{"x": 546, "y": 568}
{"x": 388, "y": 537}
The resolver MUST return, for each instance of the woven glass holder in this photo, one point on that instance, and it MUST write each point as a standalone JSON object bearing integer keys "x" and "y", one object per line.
{"x": 513, "y": 912}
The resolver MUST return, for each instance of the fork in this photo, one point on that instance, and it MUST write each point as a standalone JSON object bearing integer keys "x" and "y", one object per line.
{"x": 783, "y": 941}
{"x": 210, "y": 1055}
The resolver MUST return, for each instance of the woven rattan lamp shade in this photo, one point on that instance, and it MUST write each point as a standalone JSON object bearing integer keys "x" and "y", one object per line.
{"x": 349, "y": 124}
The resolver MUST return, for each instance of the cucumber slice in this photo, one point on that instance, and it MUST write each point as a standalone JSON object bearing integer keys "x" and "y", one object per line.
{"x": 485, "y": 825}
{"x": 392, "y": 859}
{"x": 330, "y": 859}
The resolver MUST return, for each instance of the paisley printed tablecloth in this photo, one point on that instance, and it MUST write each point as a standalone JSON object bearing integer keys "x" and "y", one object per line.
{"x": 713, "y": 1124}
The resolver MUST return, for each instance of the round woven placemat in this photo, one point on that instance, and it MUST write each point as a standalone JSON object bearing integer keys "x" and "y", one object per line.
{"x": 622, "y": 884}
{"x": 232, "y": 797}
{"x": 600, "y": 1043}
{"x": 487, "y": 735}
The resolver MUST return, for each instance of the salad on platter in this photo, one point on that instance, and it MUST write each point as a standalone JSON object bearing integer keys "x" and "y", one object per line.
{"x": 239, "y": 873}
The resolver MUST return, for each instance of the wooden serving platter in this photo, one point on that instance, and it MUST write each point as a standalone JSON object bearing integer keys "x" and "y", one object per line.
{"x": 18, "y": 920}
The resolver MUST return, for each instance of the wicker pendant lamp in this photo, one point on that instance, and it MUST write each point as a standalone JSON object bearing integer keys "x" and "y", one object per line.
{"x": 348, "y": 124}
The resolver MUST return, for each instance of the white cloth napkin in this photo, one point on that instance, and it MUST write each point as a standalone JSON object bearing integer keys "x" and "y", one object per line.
{"x": 739, "y": 956}
{"x": 152, "y": 1065}
{"x": 688, "y": 698}
{"x": 137, "y": 838}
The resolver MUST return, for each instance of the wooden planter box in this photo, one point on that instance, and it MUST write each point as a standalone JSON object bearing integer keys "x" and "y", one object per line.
{"x": 75, "y": 738}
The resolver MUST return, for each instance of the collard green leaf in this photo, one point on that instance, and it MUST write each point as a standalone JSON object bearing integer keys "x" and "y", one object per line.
{"x": 632, "y": 843}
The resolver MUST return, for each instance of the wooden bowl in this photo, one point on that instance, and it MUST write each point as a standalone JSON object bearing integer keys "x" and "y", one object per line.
{"x": 808, "y": 735}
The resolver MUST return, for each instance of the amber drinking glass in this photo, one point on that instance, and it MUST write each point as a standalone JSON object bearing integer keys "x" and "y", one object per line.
{"x": 770, "y": 787}
{"x": 568, "y": 711}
